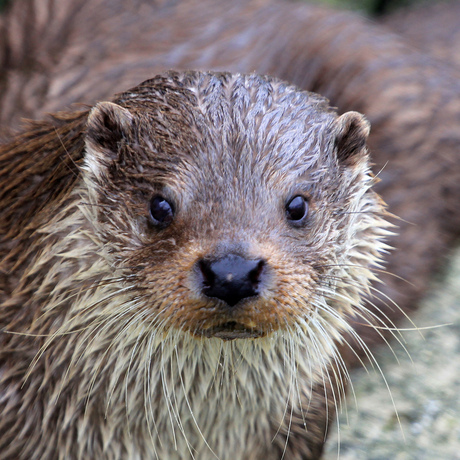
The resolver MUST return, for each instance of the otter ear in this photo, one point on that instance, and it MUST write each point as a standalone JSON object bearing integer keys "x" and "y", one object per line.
{"x": 352, "y": 131}
{"x": 107, "y": 125}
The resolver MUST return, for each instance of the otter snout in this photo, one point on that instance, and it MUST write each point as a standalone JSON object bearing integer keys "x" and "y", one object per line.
{"x": 231, "y": 278}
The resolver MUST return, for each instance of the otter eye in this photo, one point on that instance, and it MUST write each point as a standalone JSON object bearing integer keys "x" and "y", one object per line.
{"x": 161, "y": 211}
{"x": 297, "y": 209}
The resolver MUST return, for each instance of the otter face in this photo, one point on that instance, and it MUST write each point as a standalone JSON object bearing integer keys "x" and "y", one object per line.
{"x": 234, "y": 206}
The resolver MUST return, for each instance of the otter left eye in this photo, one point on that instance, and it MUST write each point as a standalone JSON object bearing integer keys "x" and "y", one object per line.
{"x": 161, "y": 211}
{"x": 297, "y": 209}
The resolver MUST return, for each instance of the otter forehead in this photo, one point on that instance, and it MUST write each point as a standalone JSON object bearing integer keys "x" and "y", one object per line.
{"x": 244, "y": 134}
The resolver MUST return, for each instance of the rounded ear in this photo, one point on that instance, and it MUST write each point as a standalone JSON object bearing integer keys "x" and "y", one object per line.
{"x": 352, "y": 131}
{"x": 107, "y": 125}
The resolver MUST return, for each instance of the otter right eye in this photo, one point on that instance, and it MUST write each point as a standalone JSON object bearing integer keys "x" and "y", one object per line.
{"x": 297, "y": 209}
{"x": 161, "y": 211}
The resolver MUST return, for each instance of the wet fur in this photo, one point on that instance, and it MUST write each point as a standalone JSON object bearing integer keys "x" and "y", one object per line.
{"x": 53, "y": 56}
{"x": 114, "y": 348}
{"x": 94, "y": 362}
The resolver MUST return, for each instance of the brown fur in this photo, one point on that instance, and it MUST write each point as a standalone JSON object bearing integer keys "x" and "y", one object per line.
{"x": 431, "y": 28}
{"x": 52, "y": 60}
{"x": 85, "y": 274}
{"x": 333, "y": 53}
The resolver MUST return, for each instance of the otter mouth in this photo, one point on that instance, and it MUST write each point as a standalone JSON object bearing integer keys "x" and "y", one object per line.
{"x": 231, "y": 331}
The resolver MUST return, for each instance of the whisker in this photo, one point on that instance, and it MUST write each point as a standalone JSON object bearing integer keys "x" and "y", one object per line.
{"x": 69, "y": 156}
{"x": 191, "y": 411}
{"x": 126, "y": 383}
{"x": 373, "y": 269}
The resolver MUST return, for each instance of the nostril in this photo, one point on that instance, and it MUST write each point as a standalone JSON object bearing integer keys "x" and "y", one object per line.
{"x": 256, "y": 274}
{"x": 208, "y": 276}
{"x": 231, "y": 278}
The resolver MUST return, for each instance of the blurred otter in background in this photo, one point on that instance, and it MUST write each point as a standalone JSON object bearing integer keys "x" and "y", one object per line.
{"x": 137, "y": 324}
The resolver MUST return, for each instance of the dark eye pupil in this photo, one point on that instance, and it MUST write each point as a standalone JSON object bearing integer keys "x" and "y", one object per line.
{"x": 297, "y": 208}
{"x": 161, "y": 211}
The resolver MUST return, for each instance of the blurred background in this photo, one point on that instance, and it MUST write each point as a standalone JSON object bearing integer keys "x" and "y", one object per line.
{"x": 371, "y": 7}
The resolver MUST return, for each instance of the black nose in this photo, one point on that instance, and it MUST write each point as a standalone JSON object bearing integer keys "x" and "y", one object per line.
{"x": 231, "y": 278}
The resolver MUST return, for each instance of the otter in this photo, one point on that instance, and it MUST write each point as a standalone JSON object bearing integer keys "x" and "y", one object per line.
{"x": 432, "y": 28}
{"x": 53, "y": 55}
{"x": 178, "y": 265}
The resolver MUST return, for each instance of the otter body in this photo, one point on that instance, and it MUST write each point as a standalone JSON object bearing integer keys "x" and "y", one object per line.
{"x": 183, "y": 292}
{"x": 432, "y": 28}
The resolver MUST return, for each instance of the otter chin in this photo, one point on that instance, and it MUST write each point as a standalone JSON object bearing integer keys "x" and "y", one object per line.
{"x": 182, "y": 266}
{"x": 231, "y": 331}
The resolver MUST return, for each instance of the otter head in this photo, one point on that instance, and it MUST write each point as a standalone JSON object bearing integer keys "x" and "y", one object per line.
{"x": 233, "y": 206}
